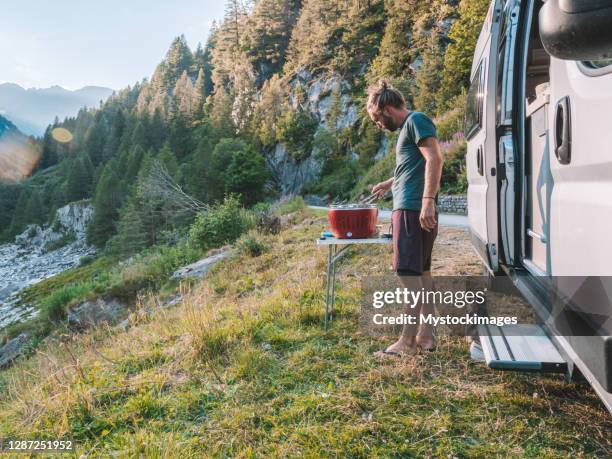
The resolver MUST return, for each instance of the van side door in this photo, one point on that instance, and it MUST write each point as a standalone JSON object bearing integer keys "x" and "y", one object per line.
{"x": 581, "y": 166}
{"x": 481, "y": 155}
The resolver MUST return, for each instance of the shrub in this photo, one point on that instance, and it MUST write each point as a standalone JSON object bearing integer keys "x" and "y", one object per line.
{"x": 261, "y": 208}
{"x": 454, "y": 179}
{"x": 251, "y": 245}
{"x": 53, "y": 308}
{"x": 452, "y": 121}
{"x": 220, "y": 224}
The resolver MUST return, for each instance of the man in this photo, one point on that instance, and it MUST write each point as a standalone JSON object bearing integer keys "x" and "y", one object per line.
{"x": 415, "y": 185}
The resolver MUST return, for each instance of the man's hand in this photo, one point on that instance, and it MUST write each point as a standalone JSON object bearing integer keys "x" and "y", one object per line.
{"x": 428, "y": 214}
{"x": 381, "y": 188}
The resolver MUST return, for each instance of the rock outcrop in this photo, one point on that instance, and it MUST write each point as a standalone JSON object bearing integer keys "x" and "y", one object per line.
{"x": 291, "y": 174}
{"x": 13, "y": 349}
{"x": 41, "y": 252}
{"x": 201, "y": 267}
{"x": 95, "y": 312}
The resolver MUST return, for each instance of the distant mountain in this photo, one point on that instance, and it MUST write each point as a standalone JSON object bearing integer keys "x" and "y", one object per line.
{"x": 32, "y": 110}
{"x": 5, "y": 125}
{"x": 18, "y": 153}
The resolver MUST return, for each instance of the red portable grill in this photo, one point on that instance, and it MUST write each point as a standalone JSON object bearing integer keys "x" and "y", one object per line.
{"x": 353, "y": 221}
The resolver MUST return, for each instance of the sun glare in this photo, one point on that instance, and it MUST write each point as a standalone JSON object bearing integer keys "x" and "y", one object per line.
{"x": 61, "y": 135}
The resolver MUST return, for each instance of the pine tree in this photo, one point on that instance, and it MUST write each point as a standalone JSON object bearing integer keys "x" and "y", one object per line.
{"x": 95, "y": 139}
{"x": 107, "y": 200}
{"x": 134, "y": 161}
{"x": 221, "y": 112}
{"x": 179, "y": 59}
{"x": 199, "y": 95}
{"x": 268, "y": 109}
{"x": 268, "y": 33}
{"x": 458, "y": 58}
{"x": 335, "y": 109}
{"x": 140, "y": 136}
{"x": 180, "y": 136}
{"x": 30, "y": 209}
{"x": 158, "y": 130}
{"x": 184, "y": 97}
{"x": 78, "y": 184}
{"x": 169, "y": 160}
{"x": 9, "y": 194}
{"x": 428, "y": 77}
{"x": 49, "y": 156}
{"x": 246, "y": 175}
{"x": 35, "y": 211}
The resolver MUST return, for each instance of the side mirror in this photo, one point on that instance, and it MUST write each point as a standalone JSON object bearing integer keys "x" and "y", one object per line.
{"x": 578, "y": 30}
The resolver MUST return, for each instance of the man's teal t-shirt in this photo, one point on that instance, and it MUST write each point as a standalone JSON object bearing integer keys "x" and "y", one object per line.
{"x": 409, "y": 161}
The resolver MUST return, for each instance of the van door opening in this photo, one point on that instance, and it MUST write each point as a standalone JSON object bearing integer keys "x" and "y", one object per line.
{"x": 537, "y": 181}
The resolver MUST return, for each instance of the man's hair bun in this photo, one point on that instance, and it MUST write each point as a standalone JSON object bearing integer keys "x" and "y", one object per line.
{"x": 383, "y": 94}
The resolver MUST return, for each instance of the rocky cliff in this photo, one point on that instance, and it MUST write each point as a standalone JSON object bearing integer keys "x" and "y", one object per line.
{"x": 317, "y": 97}
{"x": 41, "y": 252}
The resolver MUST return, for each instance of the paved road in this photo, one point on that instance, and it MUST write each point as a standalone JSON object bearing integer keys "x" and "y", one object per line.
{"x": 445, "y": 219}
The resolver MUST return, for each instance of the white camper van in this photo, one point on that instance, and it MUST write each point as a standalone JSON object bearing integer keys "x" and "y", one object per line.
{"x": 539, "y": 166}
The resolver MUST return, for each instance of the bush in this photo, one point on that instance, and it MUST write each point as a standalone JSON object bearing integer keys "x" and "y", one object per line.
{"x": 220, "y": 224}
{"x": 53, "y": 308}
{"x": 452, "y": 121}
{"x": 251, "y": 245}
{"x": 454, "y": 179}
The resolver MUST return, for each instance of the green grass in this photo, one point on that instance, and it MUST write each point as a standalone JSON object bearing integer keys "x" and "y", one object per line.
{"x": 243, "y": 368}
{"x": 148, "y": 271}
{"x": 295, "y": 204}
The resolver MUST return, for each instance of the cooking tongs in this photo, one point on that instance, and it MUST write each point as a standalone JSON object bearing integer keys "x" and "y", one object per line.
{"x": 370, "y": 199}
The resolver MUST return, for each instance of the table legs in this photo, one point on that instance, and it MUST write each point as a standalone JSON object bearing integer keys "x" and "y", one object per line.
{"x": 330, "y": 263}
{"x": 330, "y": 285}
{"x": 333, "y": 285}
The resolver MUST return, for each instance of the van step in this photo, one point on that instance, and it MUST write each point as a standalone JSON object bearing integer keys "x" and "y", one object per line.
{"x": 520, "y": 348}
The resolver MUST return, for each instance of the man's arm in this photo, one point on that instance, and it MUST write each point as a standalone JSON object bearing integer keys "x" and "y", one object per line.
{"x": 430, "y": 149}
{"x": 382, "y": 188}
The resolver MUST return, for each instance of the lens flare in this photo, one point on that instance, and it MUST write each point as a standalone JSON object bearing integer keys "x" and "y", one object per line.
{"x": 61, "y": 135}
{"x": 18, "y": 157}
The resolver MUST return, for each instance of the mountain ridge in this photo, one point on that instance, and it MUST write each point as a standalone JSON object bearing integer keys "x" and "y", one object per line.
{"x": 33, "y": 109}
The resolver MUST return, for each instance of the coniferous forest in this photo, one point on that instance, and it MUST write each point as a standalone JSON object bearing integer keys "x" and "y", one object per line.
{"x": 227, "y": 117}
{"x": 165, "y": 289}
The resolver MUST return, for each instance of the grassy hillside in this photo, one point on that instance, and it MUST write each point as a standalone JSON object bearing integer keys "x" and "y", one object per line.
{"x": 243, "y": 368}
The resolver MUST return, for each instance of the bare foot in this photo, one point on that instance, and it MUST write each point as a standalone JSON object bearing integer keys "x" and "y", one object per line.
{"x": 426, "y": 343}
{"x": 400, "y": 348}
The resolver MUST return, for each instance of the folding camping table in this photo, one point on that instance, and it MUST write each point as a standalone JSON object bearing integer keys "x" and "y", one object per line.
{"x": 334, "y": 254}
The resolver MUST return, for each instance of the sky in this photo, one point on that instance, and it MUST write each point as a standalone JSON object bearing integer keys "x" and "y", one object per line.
{"x": 109, "y": 43}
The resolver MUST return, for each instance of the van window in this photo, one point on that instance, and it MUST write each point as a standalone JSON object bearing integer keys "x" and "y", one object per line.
{"x": 475, "y": 99}
{"x": 596, "y": 68}
{"x": 598, "y": 64}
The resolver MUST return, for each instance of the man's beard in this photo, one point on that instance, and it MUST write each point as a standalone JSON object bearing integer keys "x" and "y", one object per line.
{"x": 388, "y": 123}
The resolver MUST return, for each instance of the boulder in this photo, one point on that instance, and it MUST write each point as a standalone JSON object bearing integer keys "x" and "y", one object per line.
{"x": 94, "y": 312}
{"x": 201, "y": 267}
{"x": 13, "y": 349}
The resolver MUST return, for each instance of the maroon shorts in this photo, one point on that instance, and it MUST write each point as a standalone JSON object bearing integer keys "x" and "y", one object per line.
{"x": 412, "y": 245}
